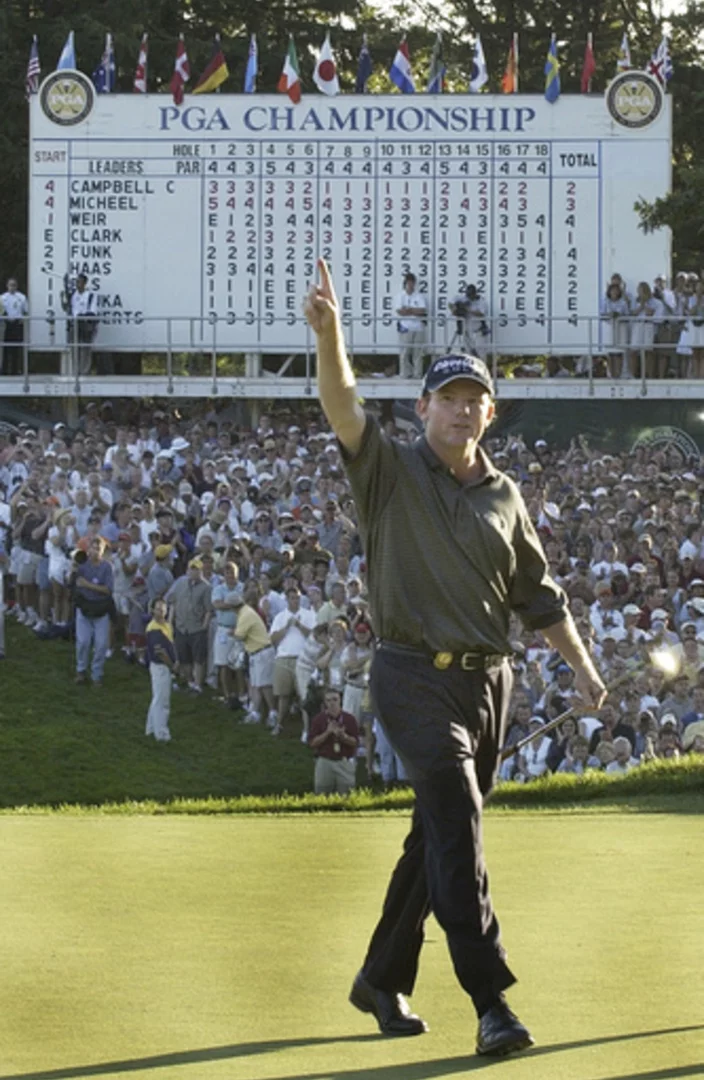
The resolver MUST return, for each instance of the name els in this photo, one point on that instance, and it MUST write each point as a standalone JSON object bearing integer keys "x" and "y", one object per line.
{"x": 363, "y": 118}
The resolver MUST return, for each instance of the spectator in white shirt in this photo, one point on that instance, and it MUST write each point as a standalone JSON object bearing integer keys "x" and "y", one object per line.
{"x": 412, "y": 312}
{"x": 533, "y": 758}
{"x": 602, "y": 614}
{"x": 15, "y": 309}
{"x": 289, "y": 631}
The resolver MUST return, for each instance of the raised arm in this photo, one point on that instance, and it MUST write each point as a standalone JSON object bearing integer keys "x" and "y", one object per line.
{"x": 336, "y": 382}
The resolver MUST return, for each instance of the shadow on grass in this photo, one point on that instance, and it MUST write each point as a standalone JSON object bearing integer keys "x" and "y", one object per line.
{"x": 422, "y": 1070}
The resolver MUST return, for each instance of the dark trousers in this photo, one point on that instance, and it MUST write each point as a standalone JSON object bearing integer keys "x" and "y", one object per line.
{"x": 12, "y": 352}
{"x": 447, "y": 727}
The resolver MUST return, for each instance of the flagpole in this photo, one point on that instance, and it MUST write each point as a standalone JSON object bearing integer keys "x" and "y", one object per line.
{"x": 591, "y": 53}
{"x": 515, "y": 60}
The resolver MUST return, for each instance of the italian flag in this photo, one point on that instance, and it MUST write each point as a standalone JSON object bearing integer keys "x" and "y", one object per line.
{"x": 290, "y": 82}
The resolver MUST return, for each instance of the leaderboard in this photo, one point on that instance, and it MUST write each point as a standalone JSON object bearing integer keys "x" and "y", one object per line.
{"x": 211, "y": 215}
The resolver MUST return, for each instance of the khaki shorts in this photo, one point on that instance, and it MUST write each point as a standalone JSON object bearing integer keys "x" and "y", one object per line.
{"x": 285, "y": 676}
{"x": 261, "y": 667}
{"x": 28, "y": 567}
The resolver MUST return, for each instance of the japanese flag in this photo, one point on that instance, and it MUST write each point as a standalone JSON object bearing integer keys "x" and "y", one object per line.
{"x": 325, "y": 74}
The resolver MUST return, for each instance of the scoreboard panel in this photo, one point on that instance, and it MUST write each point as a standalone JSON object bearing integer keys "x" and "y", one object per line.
{"x": 213, "y": 213}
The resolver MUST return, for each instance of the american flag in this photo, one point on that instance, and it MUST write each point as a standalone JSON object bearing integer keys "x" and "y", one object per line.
{"x": 140, "y": 75}
{"x": 31, "y": 81}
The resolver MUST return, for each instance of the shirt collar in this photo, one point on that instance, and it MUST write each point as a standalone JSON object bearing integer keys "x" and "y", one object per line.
{"x": 434, "y": 462}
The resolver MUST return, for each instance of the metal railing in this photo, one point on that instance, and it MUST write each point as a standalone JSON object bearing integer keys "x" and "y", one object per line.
{"x": 509, "y": 343}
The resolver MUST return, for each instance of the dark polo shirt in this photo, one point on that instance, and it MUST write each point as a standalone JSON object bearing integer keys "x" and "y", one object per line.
{"x": 447, "y": 561}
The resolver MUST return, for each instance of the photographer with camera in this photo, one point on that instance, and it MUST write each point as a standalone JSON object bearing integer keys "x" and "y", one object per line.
{"x": 92, "y": 584}
{"x": 471, "y": 330}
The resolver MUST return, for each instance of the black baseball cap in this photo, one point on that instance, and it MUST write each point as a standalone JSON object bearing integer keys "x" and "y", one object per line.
{"x": 457, "y": 366}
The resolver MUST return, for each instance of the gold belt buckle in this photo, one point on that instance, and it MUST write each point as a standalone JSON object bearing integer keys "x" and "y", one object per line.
{"x": 442, "y": 660}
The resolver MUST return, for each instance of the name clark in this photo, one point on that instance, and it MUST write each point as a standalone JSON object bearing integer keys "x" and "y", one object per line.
{"x": 405, "y": 119}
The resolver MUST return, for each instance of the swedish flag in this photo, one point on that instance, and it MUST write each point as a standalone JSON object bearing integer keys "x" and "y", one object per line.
{"x": 552, "y": 73}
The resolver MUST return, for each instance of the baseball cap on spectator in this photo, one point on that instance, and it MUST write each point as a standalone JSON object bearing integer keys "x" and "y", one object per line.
{"x": 446, "y": 369}
{"x": 669, "y": 720}
{"x": 600, "y": 492}
{"x": 659, "y": 615}
{"x": 196, "y": 563}
{"x": 631, "y": 609}
{"x": 165, "y": 454}
{"x": 638, "y": 568}
{"x": 184, "y": 488}
{"x": 687, "y": 625}
{"x": 563, "y": 667}
{"x": 539, "y": 443}
{"x": 179, "y": 443}
{"x": 697, "y": 581}
{"x": 697, "y": 603}
{"x": 265, "y": 477}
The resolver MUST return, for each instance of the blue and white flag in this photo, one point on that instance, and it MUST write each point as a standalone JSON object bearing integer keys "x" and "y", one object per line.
{"x": 104, "y": 74}
{"x": 364, "y": 68}
{"x": 479, "y": 75}
{"x": 250, "y": 75}
{"x": 68, "y": 55}
{"x": 400, "y": 73}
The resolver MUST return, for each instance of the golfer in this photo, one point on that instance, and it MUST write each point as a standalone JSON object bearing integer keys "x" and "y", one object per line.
{"x": 450, "y": 552}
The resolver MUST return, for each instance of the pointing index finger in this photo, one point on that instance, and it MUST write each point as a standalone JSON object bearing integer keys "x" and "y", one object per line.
{"x": 325, "y": 278}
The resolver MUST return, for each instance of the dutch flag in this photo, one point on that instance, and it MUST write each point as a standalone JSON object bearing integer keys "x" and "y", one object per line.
{"x": 400, "y": 73}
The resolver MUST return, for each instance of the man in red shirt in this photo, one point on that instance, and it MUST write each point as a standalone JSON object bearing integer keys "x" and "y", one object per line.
{"x": 334, "y": 737}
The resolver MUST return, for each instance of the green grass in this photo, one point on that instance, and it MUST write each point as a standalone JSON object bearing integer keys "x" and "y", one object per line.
{"x": 68, "y": 747}
{"x": 223, "y": 948}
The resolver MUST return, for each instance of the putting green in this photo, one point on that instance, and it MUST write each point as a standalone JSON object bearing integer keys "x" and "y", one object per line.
{"x": 223, "y": 948}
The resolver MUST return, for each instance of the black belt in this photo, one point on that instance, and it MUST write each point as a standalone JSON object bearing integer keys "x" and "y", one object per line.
{"x": 469, "y": 660}
{"x": 256, "y": 652}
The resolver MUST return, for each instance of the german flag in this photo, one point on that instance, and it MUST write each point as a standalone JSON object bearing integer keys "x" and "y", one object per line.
{"x": 216, "y": 71}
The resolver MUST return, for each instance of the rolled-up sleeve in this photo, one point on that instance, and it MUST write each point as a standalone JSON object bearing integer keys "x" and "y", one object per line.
{"x": 535, "y": 597}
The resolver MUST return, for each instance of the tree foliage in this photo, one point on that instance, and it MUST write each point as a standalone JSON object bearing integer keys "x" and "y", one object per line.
{"x": 273, "y": 20}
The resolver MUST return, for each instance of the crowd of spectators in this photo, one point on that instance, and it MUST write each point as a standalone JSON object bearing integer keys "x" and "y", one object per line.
{"x": 237, "y": 551}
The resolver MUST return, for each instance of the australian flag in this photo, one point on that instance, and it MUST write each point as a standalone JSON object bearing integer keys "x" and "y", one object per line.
{"x": 104, "y": 74}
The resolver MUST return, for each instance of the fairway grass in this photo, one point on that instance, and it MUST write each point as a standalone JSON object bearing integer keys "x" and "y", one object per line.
{"x": 223, "y": 948}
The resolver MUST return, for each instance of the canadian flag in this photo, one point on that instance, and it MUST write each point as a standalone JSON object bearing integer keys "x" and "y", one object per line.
{"x": 182, "y": 72}
{"x": 140, "y": 74}
{"x": 325, "y": 74}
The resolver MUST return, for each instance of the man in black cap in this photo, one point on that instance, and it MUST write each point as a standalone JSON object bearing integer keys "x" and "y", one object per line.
{"x": 450, "y": 553}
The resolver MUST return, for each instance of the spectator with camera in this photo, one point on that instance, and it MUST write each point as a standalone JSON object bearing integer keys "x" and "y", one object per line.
{"x": 472, "y": 334}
